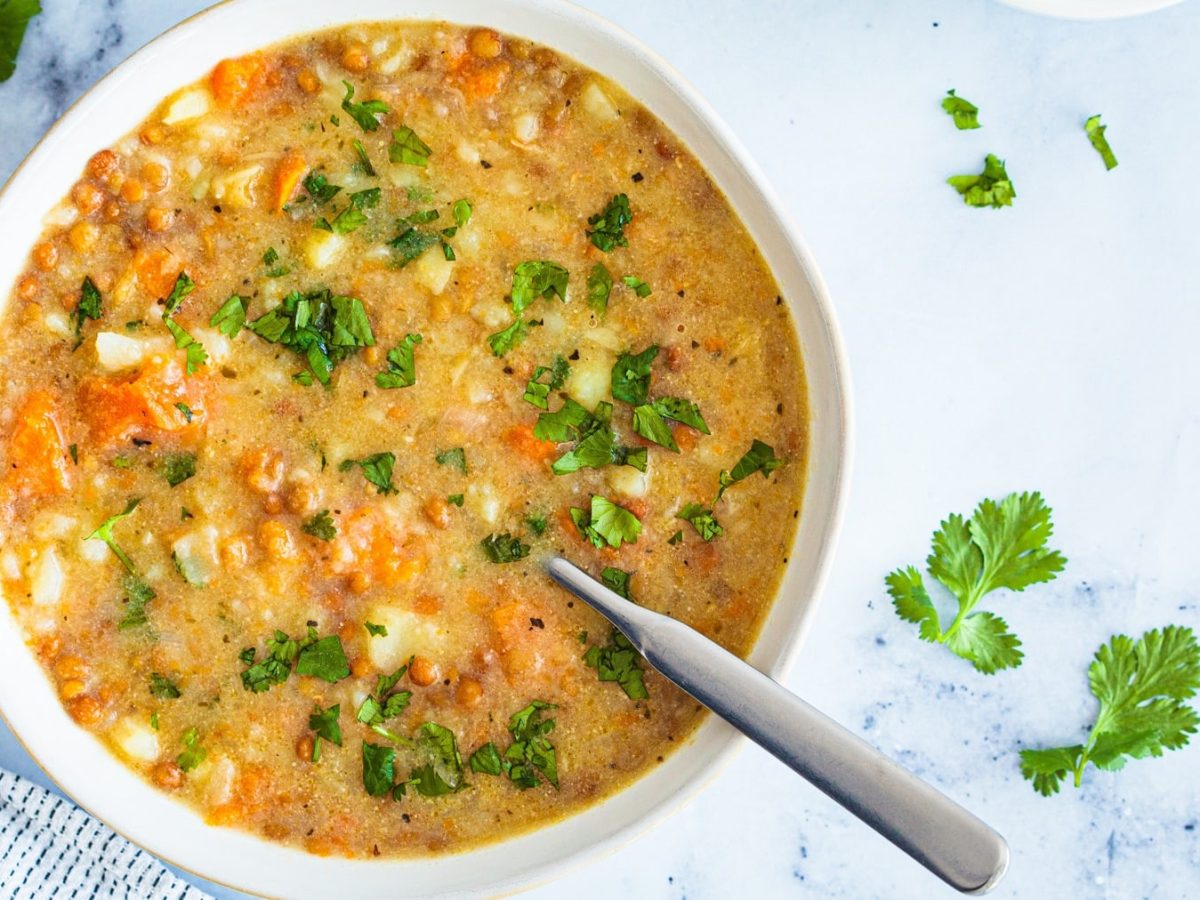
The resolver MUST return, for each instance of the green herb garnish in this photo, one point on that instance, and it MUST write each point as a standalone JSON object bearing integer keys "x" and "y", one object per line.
{"x": 991, "y": 187}
{"x": 379, "y": 768}
{"x": 90, "y": 304}
{"x": 537, "y": 278}
{"x": 401, "y": 365}
{"x": 599, "y": 287}
{"x": 179, "y": 467}
{"x": 759, "y": 458}
{"x": 14, "y": 19}
{"x": 610, "y": 224}
{"x": 324, "y": 724}
{"x": 504, "y": 548}
{"x": 407, "y": 148}
{"x": 375, "y": 630}
{"x": 377, "y": 469}
{"x": 231, "y": 317}
{"x": 537, "y": 391}
{"x": 318, "y": 326}
{"x": 193, "y": 754}
{"x": 964, "y": 113}
{"x": 631, "y": 376}
{"x": 503, "y": 341}
{"x": 104, "y": 533}
{"x": 163, "y": 687}
{"x": 638, "y": 286}
{"x": 606, "y": 523}
{"x": 320, "y": 526}
{"x": 196, "y": 354}
{"x": 618, "y": 661}
{"x": 455, "y": 457}
{"x": 319, "y": 190}
{"x": 1095, "y": 132}
{"x": 702, "y": 520}
{"x": 365, "y": 114}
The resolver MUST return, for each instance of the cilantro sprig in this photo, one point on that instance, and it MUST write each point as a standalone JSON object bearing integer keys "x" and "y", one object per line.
{"x": 320, "y": 327}
{"x": 530, "y": 756}
{"x": 322, "y": 658}
{"x": 991, "y": 187}
{"x": 1142, "y": 687}
{"x": 964, "y": 112}
{"x": 608, "y": 225}
{"x": 365, "y": 114}
{"x": 1002, "y": 545}
{"x": 1095, "y": 132}
{"x": 196, "y": 354}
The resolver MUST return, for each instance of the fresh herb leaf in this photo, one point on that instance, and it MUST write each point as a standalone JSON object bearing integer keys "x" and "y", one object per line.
{"x": 186, "y": 410}
{"x": 365, "y": 114}
{"x": 638, "y": 286}
{"x": 375, "y": 630}
{"x": 363, "y": 159}
{"x": 965, "y": 113}
{"x": 1142, "y": 688}
{"x": 401, "y": 365}
{"x": 683, "y": 411}
{"x": 275, "y": 666}
{"x": 617, "y": 580}
{"x": 104, "y": 533}
{"x": 631, "y": 376}
{"x": 503, "y": 341}
{"x": 318, "y": 326}
{"x": 354, "y": 216}
{"x": 567, "y": 423}
{"x": 323, "y": 658}
{"x": 443, "y": 774}
{"x": 407, "y": 148}
{"x": 179, "y": 467}
{"x": 320, "y": 526}
{"x": 606, "y": 523}
{"x": 486, "y": 760}
{"x": 610, "y": 223}
{"x": 650, "y": 424}
{"x": 163, "y": 687}
{"x": 137, "y": 595}
{"x": 531, "y": 754}
{"x": 991, "y": 187}
{"x": 759, "y": 458}
{"x": 504, "y": 548}
{"x": 599, "y": 287}
{"x": 537, "y": 391}
{"x": 14, "y": 19}
{"x": 89, "y": 305}
{"x": 230, "y": 318}
{"x": 319, "y": 190}
{"x": 455, "y": 499}
{"x": 454, "y": 457}
{"x": 379, "y": 768}
{"x": 324, "y": 724}
{"x": 1095, "y": 132}
{"x": 411, "y": 243}
{"x": 196, "y": 354}
{"x": 1002, "y": 545}
{"x": 193, "y": 754}
{"x": 537, "y": 523}
{"x": 702, "y": 520}
{"x": 618, "y": 661}
{"x": 676, "y": 538}
{"x": 462, "y": 212}
{"x": 377, "y": 469}
{"x": 537, "y": 278}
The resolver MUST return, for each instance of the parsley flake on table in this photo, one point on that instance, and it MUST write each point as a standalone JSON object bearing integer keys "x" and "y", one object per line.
{"x": 609, "y": 224}
{"x": 1095, "y": 132}
{"x": 964, "y": 113}
{"x": 365, "y": 114}
{"x": 1142, "y": 688}
{"x": 401, "y": 365}
{"x": 377, "y": 469}
{"x": 991, "y": 187}
{"x": 1002, "y": 545}
{"x": 14, "y": 19}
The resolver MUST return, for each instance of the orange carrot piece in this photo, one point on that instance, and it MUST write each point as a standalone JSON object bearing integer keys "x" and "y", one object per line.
{"x": 146, "y": 404}
{"x": 156, "y": 269}
{"x": 37, "y": 451}
{"x": 287, "y": 176}
{"x": 522, "y": 439}
{"x": 235, "y": 82}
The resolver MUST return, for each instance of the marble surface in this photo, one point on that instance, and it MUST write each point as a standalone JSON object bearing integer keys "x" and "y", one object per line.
{"x": 1048, "y": 346}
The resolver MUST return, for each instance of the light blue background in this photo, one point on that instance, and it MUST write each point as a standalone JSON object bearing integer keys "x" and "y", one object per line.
{"x": 1049, "y": 346}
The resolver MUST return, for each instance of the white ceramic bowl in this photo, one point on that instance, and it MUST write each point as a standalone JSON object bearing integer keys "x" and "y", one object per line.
{"x": 1090, "y": 9}
{"x": 81, "y": 765}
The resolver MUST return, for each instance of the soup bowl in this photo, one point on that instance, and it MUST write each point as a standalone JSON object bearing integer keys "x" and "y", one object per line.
{"x": 81, "y": 765}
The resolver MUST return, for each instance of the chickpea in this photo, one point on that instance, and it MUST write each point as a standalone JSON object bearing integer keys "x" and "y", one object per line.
{"x": 71, "y": 688}
{"x": 423, "y": 671}
{"x": 29, "y": 287}
{"x": 485, "y": 43}
{"x": 276, "y": 540}
{"x": 304, "y": 748}
{"x": 156, "y": 176}
{"x": 83, "y": 236}
{"x": 86, "y": 710}
{"x": 87, "y": 197}
{"x": 303, "y": 495}
{"x": 263, "y": 470}
{"x": 469, "y": 692}
{"x": 308, "y": 81}
{"x": 102, "y": 165}
{"x": 167, "y": 776}
{"x": 355, "y": 57}
{"x": 153, "y": 134}
{"x": 45, "y": 255}
{"x": 132, "y": 190}
{"x": 112, "y": 211}
{"x": 235, "y": 552}
{"x": 360, "y": 582}
{"x": 159, "y": 218}
{"x": 273, "y": 504}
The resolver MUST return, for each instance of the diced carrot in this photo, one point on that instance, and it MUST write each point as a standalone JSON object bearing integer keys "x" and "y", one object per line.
{"x": 291, "y": 168}
{"x": 685, "y": 437}
{"x": 714, "y": 343}
{"x": 37, "y": 451}
{"x": 522, "y": 439}
{"x": 146, "y": 404}
{"x": 156, "y": 268}
{"x": 235, "y": 82}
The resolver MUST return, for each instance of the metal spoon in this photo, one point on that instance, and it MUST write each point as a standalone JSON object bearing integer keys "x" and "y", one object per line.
{"x": 925, "y": 824}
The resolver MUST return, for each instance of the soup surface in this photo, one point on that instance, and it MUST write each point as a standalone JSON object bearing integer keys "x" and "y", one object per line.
{"x": 306, "y": 379}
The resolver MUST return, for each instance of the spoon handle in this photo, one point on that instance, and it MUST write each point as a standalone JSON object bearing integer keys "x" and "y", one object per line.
{"x": 928, "y": 826}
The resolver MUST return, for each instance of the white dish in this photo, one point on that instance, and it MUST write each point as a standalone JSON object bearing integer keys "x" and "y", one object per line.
{"x": 82, "y": 766}
{"x": 1091, "y": 9}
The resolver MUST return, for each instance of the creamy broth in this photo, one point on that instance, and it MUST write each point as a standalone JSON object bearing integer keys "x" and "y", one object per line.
{"x": 355, "y": 431}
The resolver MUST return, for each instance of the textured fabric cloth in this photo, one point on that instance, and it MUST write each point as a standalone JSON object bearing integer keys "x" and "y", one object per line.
{"x": 50, "y": 848}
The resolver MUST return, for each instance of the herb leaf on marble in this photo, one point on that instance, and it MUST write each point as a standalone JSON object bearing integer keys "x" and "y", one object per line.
{"x": 14, "y": 18}
{"x": 1142, "y": 687}
{"x": 1002, "y": 545}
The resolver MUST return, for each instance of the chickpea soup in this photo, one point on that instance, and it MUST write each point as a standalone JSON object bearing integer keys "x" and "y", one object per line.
{"x": 307, "y": 378}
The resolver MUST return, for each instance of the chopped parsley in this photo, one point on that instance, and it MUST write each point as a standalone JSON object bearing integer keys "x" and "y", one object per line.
{"x": 638, "y": 286}
{"x": 363, "y": 159}
{"x": 163, "y": 687}
{"x": 454, "y": 457}
{"x": 650, "y": 424}
{"x": 606, "y": 523}
{"x": 318, "y": 326}
{"x": 537, "y": 523}
{"x": 275, "y": 269}
{"x": 609, "y": 224}
{"x": 105, "y": 533}
{"x": 618, "y": 661}
{"x": 599, "y": 287}
{"x": 486, "y": 760}
{"x": 759, "y": 458}
{"x": 196, "y": 354}
{"x": 324, "y": 724}
{"x": 320, "y": 526}
{"x": 530, "y": 756}
{"x": 319, "y": 190}
{"x": 964, "y": 113}
{"x": 179, "y": 467}
{"x": 504, "y": 548}
{"x": 702, "y": 520}
{"x": 137, "y": 595}
{"x": 379, "y": 768}
{"x": 377, "y": 469}
{"x": 455, "y": 499}
{"x": 597, "y": 443}
{"x": 537, "y": 278}
{"x": 537, "y": 391}
{"x": 443, "y": 774}
{"x": 354, "y": 216}
{"x": 375, "y": 630}
{"x": 411, "y": 242}
{"x": 1095, "y": 132}
{"x": 231, "y": 317}
{"x": 186, "y": 411}
{"x": 365, "y": 114}
{"x": 401, "y": 365}
{"x": 321, "y": 658}
{"x": 462, "y": 213}
{"x": 88, "y": 307}
{"x": 617, "y": 580}
{"x": 680, "y": 410}
{"x": 407, "y": 148}
{"x": 676, "y": 538}
{"x": 503, "y": 341}
{"x": 385, "y": 703}
{"x": 991, "y": 187}
{"x": 631, "y": 376}
{"x": 193, "y": 754}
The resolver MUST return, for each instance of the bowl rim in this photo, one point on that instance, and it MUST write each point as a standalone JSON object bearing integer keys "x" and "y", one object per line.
{"x": 1090, "y": 10}
{"x": 839, "y": 428}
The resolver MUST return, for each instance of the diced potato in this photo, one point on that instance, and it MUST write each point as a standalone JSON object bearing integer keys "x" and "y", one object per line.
{"x": 196, "y": 555}
{"x": 191, "y": 104}
{"x": 10, "y": 566}
{"x": 322, "y": 248}
{"x": 591, "y": 376}
{"x": 401, "y": 59}
{"x": 93, "y": 551}
{"x": 136, "y": 739}
{"x": 627, "y": 480}
{"x": 116, "y": 352}
{"x": 491, "y": 314}
{"x": 606, "y": 338}
{"x": 433, "y": 270}
{"x": 597, "y": 103}
{"x": 468, "y": 153}
{"x": 220, "y": 777}
{"x": 236, "y": 188}
{"x": 57, "y": 324}
{"x": 408, "y": 634}
{"x": 484, "y": 502}
{"x": 525, "y": 128}
{"x": 46, "y": 578}
{"x": 215, "y": 343}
